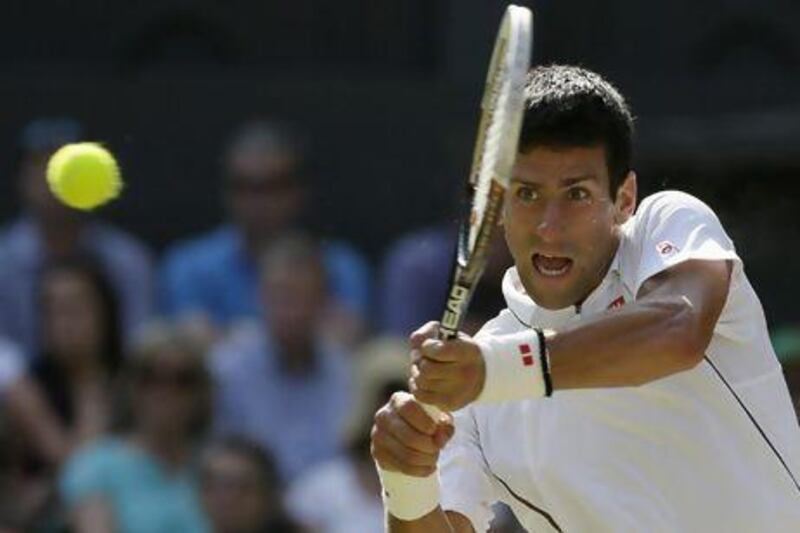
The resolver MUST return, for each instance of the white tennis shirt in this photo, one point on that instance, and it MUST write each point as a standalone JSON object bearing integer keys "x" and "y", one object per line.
{"x": 712, "y": 449}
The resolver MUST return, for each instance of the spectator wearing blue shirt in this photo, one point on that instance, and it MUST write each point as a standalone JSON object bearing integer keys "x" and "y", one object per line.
{"x": 143, "y": 481}
{"x": 279, "y": 382}
{"x": 216, "y": 275}
{"x": 46, "y": 231}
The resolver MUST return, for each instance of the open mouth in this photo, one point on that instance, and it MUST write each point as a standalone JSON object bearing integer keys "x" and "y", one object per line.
{"x": 551, "y": 266}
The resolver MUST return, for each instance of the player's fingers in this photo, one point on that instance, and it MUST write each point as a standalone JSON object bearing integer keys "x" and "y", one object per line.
{"x": 407, "y": 435}
{"x": 431, "y": 397}
{"x": 412, "y": 412}
{"x": 434, "y": 370}
{"x": 428, "y": 331}
{"x": 416, "y": 356}
{"x": 444, "y": 432}
{"x": 387, "y": 461}
{"x": 403, "y": 454}
{"x": 444, "y": 351}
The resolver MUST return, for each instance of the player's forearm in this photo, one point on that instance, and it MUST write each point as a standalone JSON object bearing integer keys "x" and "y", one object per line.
{"x": 639, "y": 343}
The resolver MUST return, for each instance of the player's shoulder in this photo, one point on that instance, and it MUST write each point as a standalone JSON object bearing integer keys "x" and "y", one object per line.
{"x": 666, "y": 203}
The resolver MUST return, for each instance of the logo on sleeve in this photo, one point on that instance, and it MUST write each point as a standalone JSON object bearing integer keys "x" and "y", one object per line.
{"x": 616, "y": 304}
{"x": 666, "y": 248}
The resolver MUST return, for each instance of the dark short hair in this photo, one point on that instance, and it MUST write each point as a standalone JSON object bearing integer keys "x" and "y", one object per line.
{"x": 90, "y": 269}
{"x": 272, "y": 136}
{"x": 570, "y": 106}
{"x": 262, "y": 462}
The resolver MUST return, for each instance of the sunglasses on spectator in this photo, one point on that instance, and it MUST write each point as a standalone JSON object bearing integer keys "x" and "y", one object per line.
{"x": 183, "y": 378}
{"x": 269, "y": 184}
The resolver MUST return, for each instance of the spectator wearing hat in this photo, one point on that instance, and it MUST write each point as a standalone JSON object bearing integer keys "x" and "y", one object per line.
{"x": 46, "y": 230}
{"x": 143, "y": 478}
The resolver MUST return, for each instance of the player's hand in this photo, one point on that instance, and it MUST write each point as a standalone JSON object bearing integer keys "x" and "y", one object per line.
{"x": 406, "y": 439}
{"x": 447, "y": 374}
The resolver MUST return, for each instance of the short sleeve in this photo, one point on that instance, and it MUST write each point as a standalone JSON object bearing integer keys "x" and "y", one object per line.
{"x": 465, "y": 478}
{"x": 673, "y": 227}
{"x": 85, "y": 474}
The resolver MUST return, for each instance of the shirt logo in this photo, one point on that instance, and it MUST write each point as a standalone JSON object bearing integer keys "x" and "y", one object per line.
{"x": 616, "y": 304}
{"x": 666, "y": 248}
{"x": 525, "y": 352}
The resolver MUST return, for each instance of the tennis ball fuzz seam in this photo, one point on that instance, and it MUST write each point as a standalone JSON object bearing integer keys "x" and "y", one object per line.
{"x": 84, "y": 175}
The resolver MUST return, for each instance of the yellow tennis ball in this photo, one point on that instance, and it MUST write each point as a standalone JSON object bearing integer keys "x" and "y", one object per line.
{"x": 83, "y": 175}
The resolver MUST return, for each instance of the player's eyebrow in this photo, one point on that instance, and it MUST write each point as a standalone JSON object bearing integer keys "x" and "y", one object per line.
{"x": 563, "y": 183}
{"x": 569, "y": 182}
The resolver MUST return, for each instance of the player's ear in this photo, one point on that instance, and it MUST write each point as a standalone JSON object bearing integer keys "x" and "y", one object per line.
{"x": 625, "y": 202}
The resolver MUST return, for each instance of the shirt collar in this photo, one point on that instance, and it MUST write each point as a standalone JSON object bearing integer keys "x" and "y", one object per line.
{"x": 531, "y": 314}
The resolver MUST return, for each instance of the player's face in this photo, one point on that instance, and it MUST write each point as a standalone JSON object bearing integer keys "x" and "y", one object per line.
{"x": 561, "y": 223}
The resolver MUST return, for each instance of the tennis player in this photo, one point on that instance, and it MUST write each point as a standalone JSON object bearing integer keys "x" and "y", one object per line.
{"x": 630, "y": 384}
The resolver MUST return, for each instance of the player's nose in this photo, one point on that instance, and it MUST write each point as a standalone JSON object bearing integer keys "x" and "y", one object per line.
{"x": 551, "y": 222}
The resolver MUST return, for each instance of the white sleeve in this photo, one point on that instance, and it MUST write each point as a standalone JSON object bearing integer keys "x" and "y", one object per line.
{"x": 674, "y": 227}
{"x": 466, "y": 482}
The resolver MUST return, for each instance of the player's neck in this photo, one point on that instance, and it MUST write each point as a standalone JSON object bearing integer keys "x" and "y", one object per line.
{"x": 601, "y": 273}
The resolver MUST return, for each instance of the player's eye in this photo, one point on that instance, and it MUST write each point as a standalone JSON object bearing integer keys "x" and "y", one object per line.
{"x": 578, "y": 194}
{"x": 526, "y": 194}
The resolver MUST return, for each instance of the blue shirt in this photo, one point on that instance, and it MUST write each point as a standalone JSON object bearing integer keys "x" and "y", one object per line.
{"x": 124, "y": 259}
{"x": 144, "y": 497}
{"x": 214, "y": 274}
{"x": 297, "y": 418}
{"x": 413, "y": 281}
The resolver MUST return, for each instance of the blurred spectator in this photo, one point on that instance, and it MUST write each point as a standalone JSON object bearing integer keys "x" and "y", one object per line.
{"x": 217, "y": 274}
{"x": 786, "y": 341}
{"x": 415, "y": 274}
{"x": 413, "y": 279}
{"x": 142, "y": 481}
{"x": 47, "y": 230}
{"x": 241, "y": 489}
{"x": 65, "y": 399}
{"x": 280, "y": 382}
{"x": 344, "y": 494}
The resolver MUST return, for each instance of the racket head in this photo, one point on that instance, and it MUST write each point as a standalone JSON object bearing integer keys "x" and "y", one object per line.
{"x": 502, "y": 109}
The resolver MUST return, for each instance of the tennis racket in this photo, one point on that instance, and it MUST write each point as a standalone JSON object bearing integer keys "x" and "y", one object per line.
{"x": 502, "y": 108}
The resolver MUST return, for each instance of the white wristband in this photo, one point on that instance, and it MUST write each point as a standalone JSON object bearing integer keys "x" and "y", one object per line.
{"x": 408, "y": 497}
{"x": 515, "y": 368}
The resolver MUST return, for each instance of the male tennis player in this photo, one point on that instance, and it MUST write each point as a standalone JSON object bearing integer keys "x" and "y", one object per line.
{"x": 630, "y": 384}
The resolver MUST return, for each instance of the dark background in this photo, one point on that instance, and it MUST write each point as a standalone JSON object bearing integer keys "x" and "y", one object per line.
{"x": 387, "y": 91}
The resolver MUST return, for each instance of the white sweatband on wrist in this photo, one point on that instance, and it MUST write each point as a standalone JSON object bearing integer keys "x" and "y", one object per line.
{"x": 517, "y": 367}
{"x": 408, "y": 497}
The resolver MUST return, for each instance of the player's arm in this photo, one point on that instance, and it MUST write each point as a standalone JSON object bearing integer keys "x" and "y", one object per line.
{"x": 664, "y": 331}
{"x": 405, "y": 439}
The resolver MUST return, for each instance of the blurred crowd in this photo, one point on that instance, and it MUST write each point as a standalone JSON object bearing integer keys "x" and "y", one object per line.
{"x": 224, "y": 385}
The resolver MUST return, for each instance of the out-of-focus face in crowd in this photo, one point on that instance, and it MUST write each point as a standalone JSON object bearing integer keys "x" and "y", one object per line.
{"x": 238, "y": 493}
{"x": 171, "y": 388}
{"x": 293, "y": 291}
{"x": 264, "y": 189}
{"x": 73, "y": 321}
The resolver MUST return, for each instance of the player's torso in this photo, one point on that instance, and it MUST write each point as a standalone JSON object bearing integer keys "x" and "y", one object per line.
{"x": 678, "y": 454}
